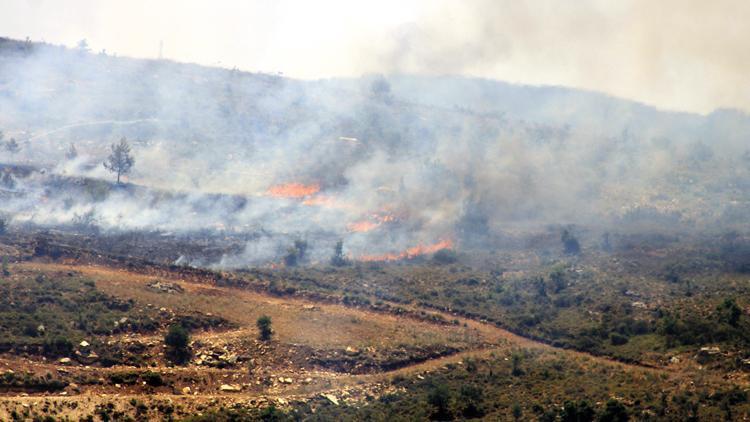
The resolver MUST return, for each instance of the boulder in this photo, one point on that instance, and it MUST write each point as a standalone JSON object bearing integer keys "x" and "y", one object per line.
{"x": 230, "y": 388}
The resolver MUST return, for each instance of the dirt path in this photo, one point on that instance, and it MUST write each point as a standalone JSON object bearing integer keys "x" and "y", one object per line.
{"x": 483, "y": 340}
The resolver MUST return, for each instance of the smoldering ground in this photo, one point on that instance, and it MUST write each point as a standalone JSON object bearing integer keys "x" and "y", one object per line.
{"x": 384, "y": 163}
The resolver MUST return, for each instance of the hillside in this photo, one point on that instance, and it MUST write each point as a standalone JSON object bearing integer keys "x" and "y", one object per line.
{"x": 392, "y": 247}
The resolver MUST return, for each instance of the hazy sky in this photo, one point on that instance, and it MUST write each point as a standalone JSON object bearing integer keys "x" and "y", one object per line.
{"x": 679, "y": 54}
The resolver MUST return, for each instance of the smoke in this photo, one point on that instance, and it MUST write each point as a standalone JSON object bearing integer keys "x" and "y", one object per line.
{"x": 680, "y": 55}
{"x": 388, "y": 164}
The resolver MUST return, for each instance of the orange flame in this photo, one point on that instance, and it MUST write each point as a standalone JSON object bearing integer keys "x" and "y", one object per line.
{"x": 374, "y": 221}
{"x": 362, "y": 226}
{"x": 293, "y": 190}
{"x": 409, "y": 253}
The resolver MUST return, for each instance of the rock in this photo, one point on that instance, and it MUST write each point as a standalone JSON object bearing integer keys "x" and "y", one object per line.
{"x": 84, "y": 343}
{"x": 674, "y": 359}
{"x": 186, "y": 390}
{"x": 351, "y": 351}
{"x": 65, "y": 361}
{"x": 307, "y": 380}
{"x": 639, "y": 305}
{"x": 165, "y": 287}
{"x": 230, "y": 388}
{"x": 331, "y": 398}
{"x": 230, "y": 359}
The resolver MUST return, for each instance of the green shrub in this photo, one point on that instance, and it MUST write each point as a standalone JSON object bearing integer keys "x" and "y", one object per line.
{"x": 153, "y": 379}
{"x": 445, "y": 256}
{"x": 264, "y": 327}
{"x": 57, "y": 347}
{"x": 439, "y": 398}
{"x": 617, "y": 339}
{"x": 177, "y": 340}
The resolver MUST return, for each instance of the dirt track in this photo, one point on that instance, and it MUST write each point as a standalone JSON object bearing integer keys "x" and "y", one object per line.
{"x": 481, "y": 339}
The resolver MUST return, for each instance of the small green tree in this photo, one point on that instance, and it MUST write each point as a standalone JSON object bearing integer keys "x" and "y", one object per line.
{"x": 72, "y": 152}
{"x": 577, "y": 412}
{"x": 472, "y": 398}
{"x": 517, "y": 411}
{"x": 177, "y": 340}
{"x": 272, "y": 414}
{"x": 516, "y": 370}
{"x": 6, "y": 271}
{"x": 729, "y": 312}
{"x": 439, "y": 397}
{"x": 120, "y": 161}
{"x": 12, "y": 146}
{"x": 614, "y": 411}
{"x": 295, "y": 254}
{"x": 570, "y": 243}
{"x": 264, "y": 327}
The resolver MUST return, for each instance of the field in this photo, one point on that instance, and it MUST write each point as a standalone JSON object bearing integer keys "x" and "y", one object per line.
{"x": 83, "y": 337}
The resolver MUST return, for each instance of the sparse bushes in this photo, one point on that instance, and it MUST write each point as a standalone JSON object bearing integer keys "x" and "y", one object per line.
{"x": 57, "y": 347}
{"x": 264, "y": 328}
{"x": 724, "y": 325}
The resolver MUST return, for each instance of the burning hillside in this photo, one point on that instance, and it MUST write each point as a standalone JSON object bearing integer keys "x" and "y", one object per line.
{"x": 415, "y": 166}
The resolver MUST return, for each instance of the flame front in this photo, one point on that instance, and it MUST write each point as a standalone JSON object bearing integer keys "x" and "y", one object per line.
{"x": 412, "y": 252}
{"x": 293, "y": 190}
{"x": 374, "y": 221}
{"x": 362, "y": 226}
